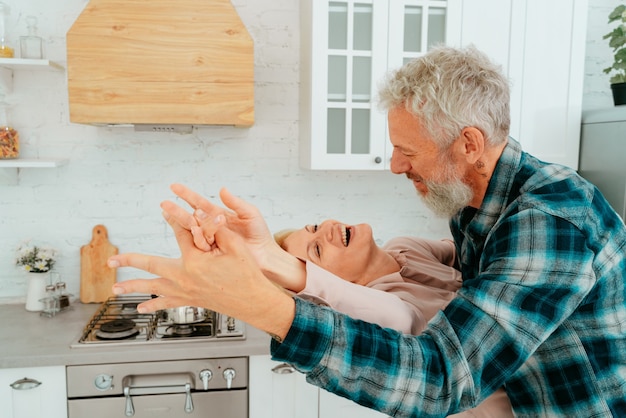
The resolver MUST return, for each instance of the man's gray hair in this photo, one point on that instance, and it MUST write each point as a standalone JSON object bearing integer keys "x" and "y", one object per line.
{"x": 449, "y": 89}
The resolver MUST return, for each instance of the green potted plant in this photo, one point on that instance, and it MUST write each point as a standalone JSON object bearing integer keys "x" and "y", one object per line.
{"x": 617, "y": 41}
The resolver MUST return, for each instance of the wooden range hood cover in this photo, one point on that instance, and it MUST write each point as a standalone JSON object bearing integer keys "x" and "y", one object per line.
{"x": 160, "y": 62}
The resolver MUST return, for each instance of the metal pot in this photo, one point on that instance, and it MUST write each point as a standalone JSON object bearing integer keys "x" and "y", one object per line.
{"x": 186, "y": 314}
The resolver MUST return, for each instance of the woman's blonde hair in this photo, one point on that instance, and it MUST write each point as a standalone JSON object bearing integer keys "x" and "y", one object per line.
{"x": 282, "y": 235}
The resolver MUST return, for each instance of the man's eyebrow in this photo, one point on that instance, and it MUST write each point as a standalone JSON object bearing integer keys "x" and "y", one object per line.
{"x": 404, "y": 149}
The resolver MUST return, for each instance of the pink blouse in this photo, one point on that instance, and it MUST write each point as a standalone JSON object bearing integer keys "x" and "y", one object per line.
{"x": 425, "y": 283}
{"x": 404, "y": 301}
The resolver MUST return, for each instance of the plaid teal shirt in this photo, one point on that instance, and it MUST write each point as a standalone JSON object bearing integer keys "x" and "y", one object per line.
{"x": 542, "y": 312}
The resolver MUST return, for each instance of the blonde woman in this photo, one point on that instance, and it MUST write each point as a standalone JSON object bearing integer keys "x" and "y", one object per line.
{"x": 408, "y": 280}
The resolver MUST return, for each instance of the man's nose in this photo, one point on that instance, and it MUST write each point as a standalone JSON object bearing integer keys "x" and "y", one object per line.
{"x": 399, "y": 163}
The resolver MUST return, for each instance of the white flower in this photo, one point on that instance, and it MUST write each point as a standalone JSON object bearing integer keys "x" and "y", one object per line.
{"x": 35, "y": 259}
{"x": 41, "y": 265}
{"x": 47, "y": 254}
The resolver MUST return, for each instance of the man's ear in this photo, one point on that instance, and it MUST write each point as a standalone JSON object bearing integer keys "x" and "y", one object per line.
{"x": 472, "y": 143}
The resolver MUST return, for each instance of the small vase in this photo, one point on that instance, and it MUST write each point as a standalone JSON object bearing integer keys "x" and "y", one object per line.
{"x": 36, "y": 291}
{"x": 619, "y": 93}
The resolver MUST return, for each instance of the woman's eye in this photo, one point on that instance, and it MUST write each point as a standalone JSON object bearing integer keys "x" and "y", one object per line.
{"x": 315, "y": 228}
{"x": 317, "y": 250}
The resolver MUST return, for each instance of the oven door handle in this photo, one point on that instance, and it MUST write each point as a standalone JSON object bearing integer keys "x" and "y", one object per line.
{"x": 133, "y": 389}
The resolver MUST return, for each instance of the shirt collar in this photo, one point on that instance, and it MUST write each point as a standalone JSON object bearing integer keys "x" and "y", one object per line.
{"x": 479, "y": 222}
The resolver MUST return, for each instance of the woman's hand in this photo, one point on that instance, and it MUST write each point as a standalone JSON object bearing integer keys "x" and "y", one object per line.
{"x": 242, "y": 218}
{"x": 226, "y": 280}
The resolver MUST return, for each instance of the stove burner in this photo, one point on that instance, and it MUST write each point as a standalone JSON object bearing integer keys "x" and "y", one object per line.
{"x": 182, "y": 329}
{"x": 186, "y": 331}
{"x": 117, "y": 329}
{"x": 117, "y": 325}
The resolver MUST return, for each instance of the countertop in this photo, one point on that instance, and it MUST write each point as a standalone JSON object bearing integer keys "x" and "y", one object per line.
{"x": 30, "y": 340}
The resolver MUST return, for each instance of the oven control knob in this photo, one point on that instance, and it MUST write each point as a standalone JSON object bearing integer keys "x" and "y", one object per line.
{"x": 229, "y": 375}
{"x": 205, "y": 376}
{"x": 103, "y": 381}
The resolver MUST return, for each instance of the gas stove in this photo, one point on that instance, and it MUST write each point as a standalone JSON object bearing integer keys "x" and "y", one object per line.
{"x": 117, "y": 322}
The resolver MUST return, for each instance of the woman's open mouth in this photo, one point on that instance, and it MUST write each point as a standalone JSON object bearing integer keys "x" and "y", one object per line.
{"x": 345, "y": 235}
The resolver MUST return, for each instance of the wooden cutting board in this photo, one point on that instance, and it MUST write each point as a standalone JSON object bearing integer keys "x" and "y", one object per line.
{"x": 96, "y": 278}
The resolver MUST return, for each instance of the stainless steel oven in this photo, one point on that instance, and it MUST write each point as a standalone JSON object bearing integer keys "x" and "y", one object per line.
{"x": 213, "y": 388}
{"x": 208, "y": 388}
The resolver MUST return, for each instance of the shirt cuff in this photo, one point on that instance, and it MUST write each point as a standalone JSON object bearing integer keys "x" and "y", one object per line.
{"x": 308, "y": 338}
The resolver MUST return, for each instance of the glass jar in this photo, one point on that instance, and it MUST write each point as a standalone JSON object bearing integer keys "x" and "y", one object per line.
{"x": 64, "y": 300}
{"x": 50, "y": 302}
{"x": 31, "y": 44}
{"x": 9, "y": 137}
{"x": 5, "y": 49}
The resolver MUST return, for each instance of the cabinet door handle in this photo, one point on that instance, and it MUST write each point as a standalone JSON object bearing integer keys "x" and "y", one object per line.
{"x": 283, "y": 368}
{"x": 25, "y": 384}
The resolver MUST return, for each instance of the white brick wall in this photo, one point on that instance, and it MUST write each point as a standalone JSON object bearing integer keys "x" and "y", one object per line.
{"x": 118, "y": 177}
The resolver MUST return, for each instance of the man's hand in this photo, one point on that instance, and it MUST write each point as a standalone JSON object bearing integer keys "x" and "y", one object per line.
{"x": 226, "y": 280}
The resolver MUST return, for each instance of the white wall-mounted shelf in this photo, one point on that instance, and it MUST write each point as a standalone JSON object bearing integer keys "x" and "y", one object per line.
{"x": 8, "y": 65}
{"x": 31, "y": 64}
{"x": 16, "y": 165}
{"x": 33, "y": 163}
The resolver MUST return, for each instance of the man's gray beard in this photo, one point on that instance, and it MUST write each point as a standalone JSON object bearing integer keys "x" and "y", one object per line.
{"x": 446, "y": 199}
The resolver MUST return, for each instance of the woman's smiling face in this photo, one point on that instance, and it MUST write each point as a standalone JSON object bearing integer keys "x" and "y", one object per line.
{"x": 344, "y": 250}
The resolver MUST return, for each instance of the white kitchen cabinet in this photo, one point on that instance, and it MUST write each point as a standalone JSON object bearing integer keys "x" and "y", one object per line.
{"x": 333, "y": 406}
{"x": 347, "y": 47}
{"x": 278, "y": 391}
{"x": 32, "y": 400}
{"x": 541, "y": 46}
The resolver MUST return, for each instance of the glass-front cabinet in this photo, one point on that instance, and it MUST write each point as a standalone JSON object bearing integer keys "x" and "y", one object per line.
{"x": 347, "y": 48}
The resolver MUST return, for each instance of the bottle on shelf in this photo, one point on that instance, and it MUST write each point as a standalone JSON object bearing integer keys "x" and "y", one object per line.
{"x": 5, "y": 49}
{"x": 31, "y": 44}
{"x": 9, "y": 137}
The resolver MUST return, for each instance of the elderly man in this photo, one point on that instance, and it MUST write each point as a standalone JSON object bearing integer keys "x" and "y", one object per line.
{"x": 541, "y": 311}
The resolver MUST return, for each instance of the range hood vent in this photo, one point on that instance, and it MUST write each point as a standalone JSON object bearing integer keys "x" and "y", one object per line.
{"x": 160, "y": 62}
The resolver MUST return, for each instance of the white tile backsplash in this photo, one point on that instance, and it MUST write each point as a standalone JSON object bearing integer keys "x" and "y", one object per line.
{"x": 118, "y": 177}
